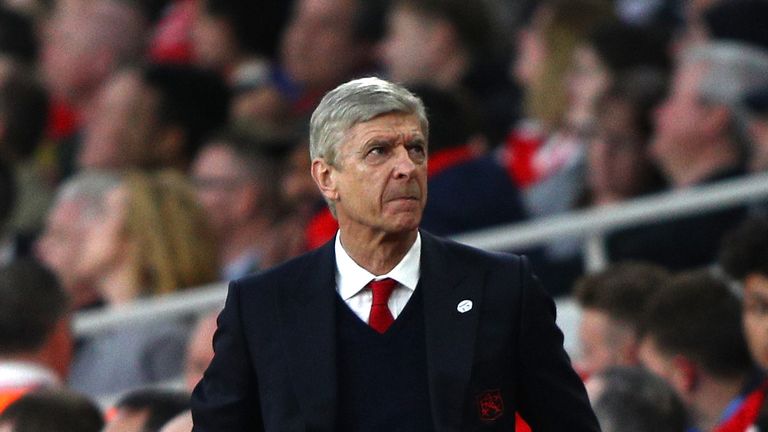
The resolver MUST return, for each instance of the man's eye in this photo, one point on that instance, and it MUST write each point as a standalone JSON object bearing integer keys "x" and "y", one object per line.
{"x": 756, "y": 307}
{"x": 376, "y": 154}
{"x": 416, "y": 149}
{"x": 417, "y": 152}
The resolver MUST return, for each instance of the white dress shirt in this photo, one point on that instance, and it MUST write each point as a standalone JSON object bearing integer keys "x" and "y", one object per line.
{"x": 351, "y": 280}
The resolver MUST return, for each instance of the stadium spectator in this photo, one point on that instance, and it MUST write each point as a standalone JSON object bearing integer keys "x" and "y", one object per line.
{"x": 155, "y": 117}
{"x": 52, "y": 410}
{"x": 618, "y": 165}
{"x": 318, "y": 31}
{"x": 325, "y": 43}
{"x": 78, "y": 204}
{"x": 556, "y": 163}
{"x": 571, "y": 53}
{"x": 744, "y": 257}
{"x": 235, "y": 182}
{"x": 453, "y": 46}
{"x": 631, "y": 399}
{"x": 152, "y": 239}
{"x": 84, "y": 43}
{"x": 612, "y": 303}
{"x": 147, "y": 410}
{"x": 692, "y": 337}
{"x": 238, "y": 38}
{"x": 468, "y": 189}
{"x": 199, "y": 350}
{"x": 35, "y": 340}
{"x": 756, "y": 107}
{"x": 612, "y": 50}
{"x": 546, "y": 48}
{"x": 697, "y": 142}
{"x": 303, "y": 203}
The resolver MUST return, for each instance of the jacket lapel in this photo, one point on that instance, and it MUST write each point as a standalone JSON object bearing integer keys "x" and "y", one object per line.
{"x": 450, "y": 334}
{"x": 307, "y": 325}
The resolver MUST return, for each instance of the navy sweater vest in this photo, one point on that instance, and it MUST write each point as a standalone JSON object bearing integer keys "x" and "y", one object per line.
{"x": 382, "y": 378}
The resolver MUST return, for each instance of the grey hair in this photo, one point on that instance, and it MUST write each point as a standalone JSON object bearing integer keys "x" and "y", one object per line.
{"x": 89, "y": 188}
{"x": 635, "y": 400}
{"x": 354, "y": 102}
{"x": 731, "y": 70}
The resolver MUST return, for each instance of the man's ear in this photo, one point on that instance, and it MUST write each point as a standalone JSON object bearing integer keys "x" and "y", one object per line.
{"x": 322, "y": 173}
{"x": 685, "y": 375}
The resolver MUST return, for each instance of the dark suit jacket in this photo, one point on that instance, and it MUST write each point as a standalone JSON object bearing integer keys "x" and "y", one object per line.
{"x": 274, "y": 367}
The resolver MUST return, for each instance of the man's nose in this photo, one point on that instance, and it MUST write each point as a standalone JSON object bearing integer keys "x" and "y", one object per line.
{"x": 404, "y": 165}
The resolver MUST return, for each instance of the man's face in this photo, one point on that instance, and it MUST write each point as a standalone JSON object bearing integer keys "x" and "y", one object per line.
{"x": 120, "y": 124}
{"x": 755, "y": 317}
{"x": 379, "y": 183}
{"x": 604, "y": 343}
{"x": 681, "y": 119}
{"x": 406, "y": 50}
{"x": 586, "y": 81}
{"x": 297, "y": 189}
{"x": 616, "y": 155}
{"x": 318, "y": 47}
{"x": 61, "y": 243}
{"x": 104, "y": 240}
{"x": 68, "y": 53}
{"x": 222, "y": 187}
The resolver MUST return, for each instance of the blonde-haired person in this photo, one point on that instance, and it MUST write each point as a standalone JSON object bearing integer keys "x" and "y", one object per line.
{"x": 541, "y": 155}
{"x": 546, "y": 45}
{"x": 152, "y": 238}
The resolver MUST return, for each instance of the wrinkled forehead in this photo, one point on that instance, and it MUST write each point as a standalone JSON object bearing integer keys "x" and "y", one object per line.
{"x": 388, "y": 126}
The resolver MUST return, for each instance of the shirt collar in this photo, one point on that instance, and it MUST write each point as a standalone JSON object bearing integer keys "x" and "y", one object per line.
{"x": 17, "y": 373}
{"x": 351, "y": 278}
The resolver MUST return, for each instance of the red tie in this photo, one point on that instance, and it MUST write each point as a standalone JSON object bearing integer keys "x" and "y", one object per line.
{"x": 381, "y": 318}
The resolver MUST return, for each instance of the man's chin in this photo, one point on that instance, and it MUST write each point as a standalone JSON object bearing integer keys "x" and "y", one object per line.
{"x": 404, "y": 224}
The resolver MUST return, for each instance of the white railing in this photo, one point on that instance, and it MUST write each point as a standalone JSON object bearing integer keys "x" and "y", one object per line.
{"x": 193, "y": 301}
{"x": 590, "y": 224}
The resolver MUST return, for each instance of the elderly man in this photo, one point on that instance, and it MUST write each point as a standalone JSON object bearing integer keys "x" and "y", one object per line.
{"x": 698, "y": 140}
{"x": 386, "y": 327}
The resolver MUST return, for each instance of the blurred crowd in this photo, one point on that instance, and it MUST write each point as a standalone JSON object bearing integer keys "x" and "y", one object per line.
{"x": 154, "y": 146}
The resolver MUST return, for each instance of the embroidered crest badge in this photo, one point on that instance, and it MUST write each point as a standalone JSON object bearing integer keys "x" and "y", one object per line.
{"x": 490, "y": 405}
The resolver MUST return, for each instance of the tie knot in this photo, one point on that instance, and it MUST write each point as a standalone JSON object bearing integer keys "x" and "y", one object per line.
{"x": 382, "y": 289}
